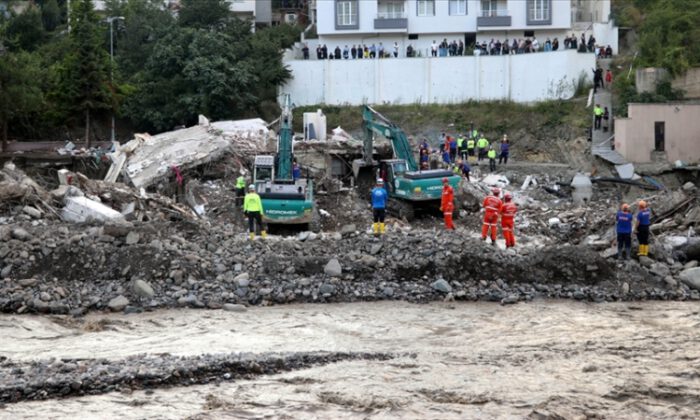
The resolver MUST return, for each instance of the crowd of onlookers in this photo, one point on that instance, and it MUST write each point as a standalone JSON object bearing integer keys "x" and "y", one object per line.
{"x": 458, "y": 48}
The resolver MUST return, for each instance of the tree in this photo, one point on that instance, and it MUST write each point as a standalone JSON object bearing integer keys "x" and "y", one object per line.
{"x": 84, "y": 72}
{"x": 50, "y": 15}
{"x": 24, "y": 31}
{"x": 145, "y": 23}
{"x": 204, "y": 13}
{"x": 20, "y": 95}
{"x": 192, "y": 71}
{"x": 668, "y": 36}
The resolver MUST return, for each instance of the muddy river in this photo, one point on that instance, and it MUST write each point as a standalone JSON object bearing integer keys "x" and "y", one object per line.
{"x": 470, "y": 360}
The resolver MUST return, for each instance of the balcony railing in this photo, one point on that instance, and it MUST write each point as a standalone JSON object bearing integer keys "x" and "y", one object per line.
{"x": 391, "y": 15}
{"x": 495, "y": 13}
{"x": 391, "y": 20}
{"x": 494, "y": 17}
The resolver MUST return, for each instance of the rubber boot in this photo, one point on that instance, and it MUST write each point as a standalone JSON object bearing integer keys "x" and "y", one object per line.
{"x": 646, "y": 250}
{"x": 382, "y": 228}
{"x": 252, "y": 236}
{"x": 375, "y": 228}
{"x": 641, "y": 251}
{"x": 263, "y": 234}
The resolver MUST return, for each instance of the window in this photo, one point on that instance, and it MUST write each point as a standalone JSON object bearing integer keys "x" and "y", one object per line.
{"x": 412, "y": 36}
{"x": 346, "y": 13}
{"x": 426, "y": 7}
{"x": 659, "y": 136}
{"x": 539, "y": 10}
{"x": 391, "y": 9}
{"x": 529, "y": 34}
{"x": 458, "y": 7}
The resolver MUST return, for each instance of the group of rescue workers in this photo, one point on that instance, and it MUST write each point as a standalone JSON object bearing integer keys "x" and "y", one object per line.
{"x": 626, "y": 224}
{"x": 458, "y": 151}
{"x": 493, "y": 206}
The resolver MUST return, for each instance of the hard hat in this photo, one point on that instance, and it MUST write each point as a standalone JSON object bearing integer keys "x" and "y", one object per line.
{"x": 496, "y": 191}
{"x": 625, "y": 206}
{"x": 251, "y": 187}
{"x": 445, "y": 180}
{"x": 380, "y": 181}
{"x": 642, "y": 204}
{"x": 507, "y": 197}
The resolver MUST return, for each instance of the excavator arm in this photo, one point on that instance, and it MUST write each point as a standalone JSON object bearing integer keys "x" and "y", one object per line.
{"x": 285, "y": 143}
{"x": 376, "y": 123}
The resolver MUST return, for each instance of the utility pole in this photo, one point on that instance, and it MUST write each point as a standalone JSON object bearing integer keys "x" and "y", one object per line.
{"x": 111, "y": 20}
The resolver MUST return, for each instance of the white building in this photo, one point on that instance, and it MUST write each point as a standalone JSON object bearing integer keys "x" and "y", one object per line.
{"x": 420, "y": 22}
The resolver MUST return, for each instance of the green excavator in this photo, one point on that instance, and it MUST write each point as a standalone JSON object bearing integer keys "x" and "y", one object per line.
{"x": 285, "y": 200}
{"x": 409, "y": 188}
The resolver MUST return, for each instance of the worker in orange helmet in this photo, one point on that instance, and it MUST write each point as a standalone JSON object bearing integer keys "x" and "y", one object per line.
{"x": 447, "y": 205}
{"x": 642, "y": 227}
{"x": 492, "y": 208}
{"x": 508, "y": 211}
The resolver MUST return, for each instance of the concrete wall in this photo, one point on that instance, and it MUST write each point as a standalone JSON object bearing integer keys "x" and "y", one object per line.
{"x": 519, "y": 78}
{"x": 634, "y": 136}
{"x": 689, "y": 83}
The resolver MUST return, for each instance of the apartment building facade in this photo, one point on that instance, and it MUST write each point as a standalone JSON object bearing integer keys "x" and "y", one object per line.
{"x": 420, "y": 22}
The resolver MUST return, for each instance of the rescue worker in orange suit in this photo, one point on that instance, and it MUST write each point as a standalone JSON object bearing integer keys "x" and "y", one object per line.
{"x": 508, "y": 211}
{"x": 492, "y": 208}
{"x": 447, "y": 205}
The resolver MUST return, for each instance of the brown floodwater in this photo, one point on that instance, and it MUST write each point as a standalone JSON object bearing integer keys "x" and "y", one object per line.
{"x": 456, "y": 360}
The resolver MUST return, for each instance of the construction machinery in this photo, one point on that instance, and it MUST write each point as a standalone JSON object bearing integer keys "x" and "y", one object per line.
{"x": 409, "y": 188}
{"x": 285, "y": 200}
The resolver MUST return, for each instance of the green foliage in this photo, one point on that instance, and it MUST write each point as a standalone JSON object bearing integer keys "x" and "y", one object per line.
{"x": 192, "y": 71}
{"x": 83, "y": 81}
{"x": 627, "y": 93}
{"x": 24, "y": 31}
{"x": 145, "y": 22}
{"x": 50, "y": 15}
{"x": 669, "y": 34}
{"x": 20, "y": 96}
{"x": 204, "y": 13}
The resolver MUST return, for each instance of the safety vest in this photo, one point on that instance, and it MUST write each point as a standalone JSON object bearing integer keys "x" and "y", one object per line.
{"x": 470, "y": 144}
{"x": 598, "y": 111}
{"x": 456, "y": 170}
{"x": 482, "y": 143}
{"x": 475, "y": 134}
{"x": 491, "y": 154}
{"x": 492, "y": 204}
{"x": 460, "y": 141}
{"x": 252, "y": 202}
{"x": 240, "y": 182}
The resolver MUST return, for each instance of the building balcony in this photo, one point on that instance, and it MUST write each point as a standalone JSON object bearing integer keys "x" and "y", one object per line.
{"x": 391, "y": 21}
{"x": 500, "y": 17}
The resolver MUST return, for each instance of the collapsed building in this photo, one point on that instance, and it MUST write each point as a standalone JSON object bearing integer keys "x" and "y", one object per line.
{"x": 159, "y": 228}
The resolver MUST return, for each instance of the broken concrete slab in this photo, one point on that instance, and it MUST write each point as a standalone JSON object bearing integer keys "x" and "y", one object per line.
{"x": 495, "y": 180}
{"x": 626, "y": 171}
{"x": 583, "y": 189}
{"x": 82, "y": 209}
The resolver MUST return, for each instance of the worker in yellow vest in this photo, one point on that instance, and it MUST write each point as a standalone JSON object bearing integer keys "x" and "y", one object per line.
{"x": 240, "y": 189}
{"x": 491, "y": 154}
{"x": 253, "y": 208}
{"x": 482, "y": 146}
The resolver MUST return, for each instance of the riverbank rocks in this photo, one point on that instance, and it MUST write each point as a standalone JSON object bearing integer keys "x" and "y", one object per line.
{"x": 118, "y": 303}
{"x": 441, "y": 286}
{"x": 143, "y": 289}
{"x": 333, "y": 268}
{"x": 691, "y": 277}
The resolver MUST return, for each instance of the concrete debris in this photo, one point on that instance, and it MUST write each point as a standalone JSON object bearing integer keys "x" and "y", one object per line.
{"x": 83, "y": 209}
{"x": 691, "y": 277}
{"x": 583, "y": 189}
{"x": 626, "y": 171}
{"x": 341, "y": 135}
{"x": 495, "y": 180}
{"x": 146, "y": 159}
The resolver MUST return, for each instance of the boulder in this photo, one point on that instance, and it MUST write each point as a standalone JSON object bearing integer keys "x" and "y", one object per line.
{"x": 441, "y": 285}
{"x": 132, "y": 238}
{"x": 143, "y": 289}
{"x": 691, "y": 277}
{"x": 118, "y": 303}
{"x": 333, "y": 268}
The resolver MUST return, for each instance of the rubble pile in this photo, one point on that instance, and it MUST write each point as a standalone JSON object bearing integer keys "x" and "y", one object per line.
{"x": 134, "y": 266}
